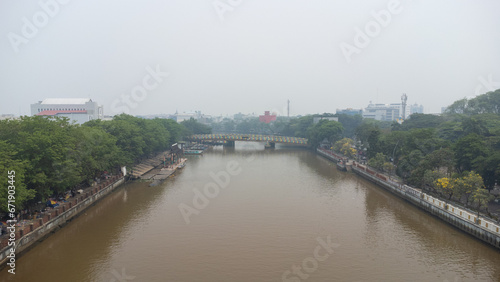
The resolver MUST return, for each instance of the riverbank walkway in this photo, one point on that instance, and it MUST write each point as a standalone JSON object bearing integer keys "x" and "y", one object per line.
{"x": 146, "y": 166}
{"x": 164, "y": 172}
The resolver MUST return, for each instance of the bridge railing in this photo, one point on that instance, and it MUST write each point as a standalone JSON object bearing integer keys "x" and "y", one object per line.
{"x": 251, "y": 137}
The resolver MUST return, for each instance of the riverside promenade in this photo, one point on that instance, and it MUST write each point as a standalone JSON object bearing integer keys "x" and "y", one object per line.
{"x": 157, "y": 175}
{"x": 481, "y": 227}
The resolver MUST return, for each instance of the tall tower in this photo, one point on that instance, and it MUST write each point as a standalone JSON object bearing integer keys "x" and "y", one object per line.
{"x": 403, "y": 104}
{"x": 288, "y": 109}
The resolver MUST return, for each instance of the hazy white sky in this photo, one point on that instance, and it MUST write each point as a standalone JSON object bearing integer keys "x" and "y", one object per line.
{"x": 230, "y": 56}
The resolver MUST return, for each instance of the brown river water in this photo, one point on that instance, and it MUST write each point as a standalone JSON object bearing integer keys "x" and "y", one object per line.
{"x": 249, "y": 214}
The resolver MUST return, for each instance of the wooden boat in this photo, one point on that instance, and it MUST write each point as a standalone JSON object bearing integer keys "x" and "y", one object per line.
{"x": 193, "y": 152}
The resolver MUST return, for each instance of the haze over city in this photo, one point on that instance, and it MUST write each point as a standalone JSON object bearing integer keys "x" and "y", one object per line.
{"x": 225, "y": 57}
{"x": 237, "y": 140}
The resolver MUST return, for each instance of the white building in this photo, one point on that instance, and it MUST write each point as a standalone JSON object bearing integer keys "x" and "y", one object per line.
{"x": 197, "y": 115}
{"x": 383, "y": 112}
{"x": 8, "y": 116}
{"x": 416, "y": 108}
{"x": 184, "y": 116}
{"x": 317, "y": 119}
{"x": 79, "y": 110}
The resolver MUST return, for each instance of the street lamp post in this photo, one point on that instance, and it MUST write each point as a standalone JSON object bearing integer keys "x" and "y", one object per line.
{"x": 393, "y": 152}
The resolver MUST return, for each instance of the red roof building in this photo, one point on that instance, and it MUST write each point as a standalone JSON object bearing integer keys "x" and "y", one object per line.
{"x": 267, "y": 117}
{"x": 79, "y": 110}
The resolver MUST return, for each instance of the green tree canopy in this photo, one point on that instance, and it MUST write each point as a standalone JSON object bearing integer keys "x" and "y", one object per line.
{"x": 192, "y": 126}
{"x": 485, "y": 103}
{"x": 13, "y": 171}
{"x": 324, "y": 129}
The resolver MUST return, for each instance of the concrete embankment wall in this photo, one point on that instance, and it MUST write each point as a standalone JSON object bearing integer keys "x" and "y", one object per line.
{"x": 25, "y": 241}
{"x": 334, "y": 158}
{"x": 466, "y": 220}
{"x": 329, "y": 155}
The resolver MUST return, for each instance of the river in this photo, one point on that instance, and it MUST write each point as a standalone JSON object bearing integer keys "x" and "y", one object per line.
{"x": 271, "y": 215}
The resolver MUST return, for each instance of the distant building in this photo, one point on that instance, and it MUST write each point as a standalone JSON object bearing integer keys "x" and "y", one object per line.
{"x": 383, "y": 112}
{"x": 185, "y": 116}
{"x": 197, "y": 115}
{"x": 349, "y": 111}
{"x": 216, "y": 119}
{"x": 238, "y": 116}
{"x": 153, "y": 116}
{"x": 267, "y": 117}
{"x": 107, "y": 118}
{"x": 8, "y": 116}
{"x": 182, "y": 117}
{"x": 79, "y": 110}
{"x": 416, "y": 108}
{"x": 317, "y": 119}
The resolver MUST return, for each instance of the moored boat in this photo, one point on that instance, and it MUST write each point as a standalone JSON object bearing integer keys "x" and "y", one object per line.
{"x": 341, "y": 166}
{"x": 193, "y": 152}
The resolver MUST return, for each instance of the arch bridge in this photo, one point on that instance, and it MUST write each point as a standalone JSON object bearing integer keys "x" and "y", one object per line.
{"x": 231, "y": 138}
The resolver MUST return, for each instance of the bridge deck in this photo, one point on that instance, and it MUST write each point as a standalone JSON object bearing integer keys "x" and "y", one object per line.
{"x": 251, "y": 137}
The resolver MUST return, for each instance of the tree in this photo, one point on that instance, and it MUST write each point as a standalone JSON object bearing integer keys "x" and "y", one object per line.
{"x": 404, "y": 168}
{"x": 173, "y": 127}
{"x": 139, "y": 138}
{"x": 378, "y": 161}
{"x": 467, "y": 149}
{"x": 388, "y": 167}
{"x": 488, "y": 167}
{"x": 301, "y": 125}
{"x": 344, "y": 146}
{"x": 451, "y": 130}
{"x": 350, "y": 123}
{"x": 51, "y": 155}
{"x": 465, "y": 139}
{"x": 324, "y": 129}
{"x": 415, "y": 167}
{"x": 445, "y": 186}
{"x": 369, "y": 134}
{"x": 430, "y": 180}
{"x": 348, "y": 151}
{"x": 469, "y": 183}
{"x": 95, "y": 152}
{"x": 485, "y": 103}
{"x": 418, "y": 120}
{"x": 473, "y": 125}
{"x": 44, "y": 144}
{"x": 128, "y": 138}
{"x": 12, "y": 178}
{"x": 482, "y": 197}
{"x": 192, "y": 126}
{"x": 488, "y": 123}
{"x": 245, "y": 126}
{"x": 441, "y": 159}
{"x": 458, "y": 107}
{"x": 47, "y": 143}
